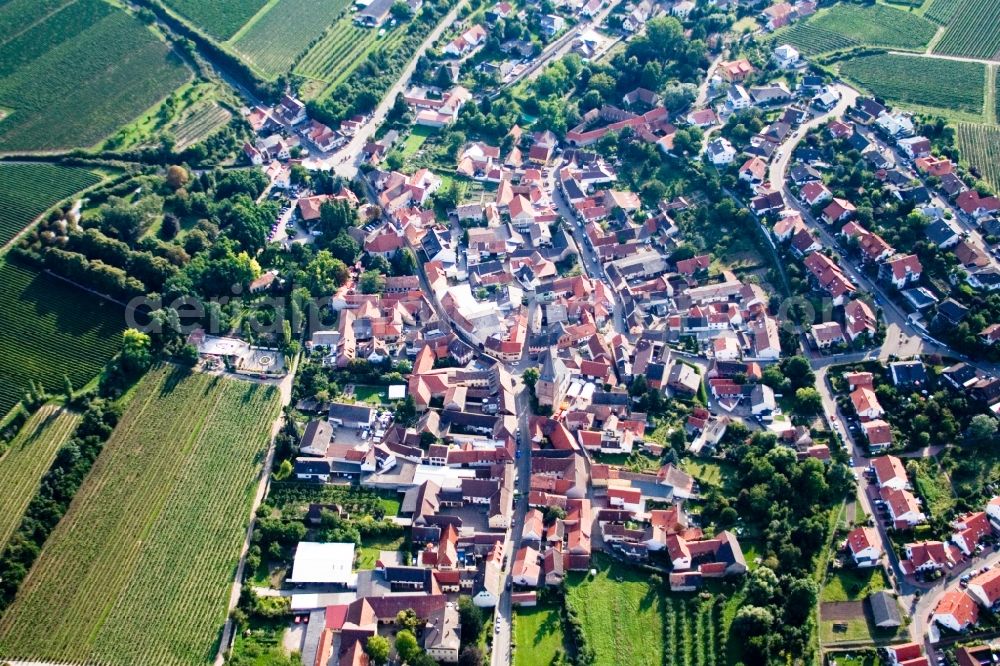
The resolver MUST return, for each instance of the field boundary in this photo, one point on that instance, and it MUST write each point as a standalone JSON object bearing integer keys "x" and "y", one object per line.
{"x": 245, "y": 28}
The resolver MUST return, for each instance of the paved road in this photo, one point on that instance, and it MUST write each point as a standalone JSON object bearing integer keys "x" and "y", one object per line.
{"x": 345, "y": 161}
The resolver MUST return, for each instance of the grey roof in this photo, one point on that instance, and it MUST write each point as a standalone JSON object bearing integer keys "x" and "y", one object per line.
{"x": 553, "y": 369}
{"x": 885, "y": 610}
{"x": 908, "y": 372}
{"x": 353, "y": 413}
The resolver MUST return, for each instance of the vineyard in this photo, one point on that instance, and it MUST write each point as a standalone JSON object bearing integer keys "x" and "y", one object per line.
{"x": 980, "y": 148}
{"x": 628, "y": 619}
{"x": 811, "y": 40}
{"x": 342, "y": 49}
{"x": 202, "y": 123}
{"x": 973, "y": 30}
{"x": 876, "y": 25}
{"x": 50, "y": 329}
{"x": 139, "y": 570}
{"x": 218, "y": 18}
{"x": 28, "y": 190}
{"x": 72, "y": 88}
{"x": 943, "y": 11}
{"x": 26, "y": 461}
{"x": 925, "y": 81}
{"x": 285, "y": 31}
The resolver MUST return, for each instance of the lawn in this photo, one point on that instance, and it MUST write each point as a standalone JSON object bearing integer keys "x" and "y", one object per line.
{"x": 942, "y": 84}
{"x": 709, "y": 472}
{"x": 374, "y": 395}
{"x": 370, "y": 548}
{"x": 538, "y": 635}
{"x": 140, "y": 568}
{"x": 28, "y": 190}
{"x": 28, "y": 457}
{"x": 624, "y": 615}
{"x": 79, "y": 75}
{"x": 416, "y": 139}
{"x": 853, "y": 584}
{"x": 49, "y": 330}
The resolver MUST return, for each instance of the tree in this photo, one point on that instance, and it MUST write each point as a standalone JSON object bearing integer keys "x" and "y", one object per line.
{"x": 808, "y": 401}
{"x": 554, "y": 513}
{"x": 406, "y": 646}
{"x": 798, "y": 371}
{"x": 407, "y": 620}
{"x": 471, "y": 619}
{"x": 471, "y": 656}
{"x": 372, "y": 282}
{"x": 377, "y": 649}
{"x": 336, "y": 216}
{"x": 177, "y": 177}
{"x": 136, "y": 356}
{"x": 345, "y": 248}
{"x": 530, "y": 378}
{"x": 324, "y": 273}
{"x": 982, "y": 429}
{"x": 67, "y": 388}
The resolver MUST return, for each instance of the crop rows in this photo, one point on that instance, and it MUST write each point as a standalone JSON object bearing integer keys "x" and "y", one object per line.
{"x": 980, "y": 148}
{"x": 340, "y": 51}
{"x": 943, "y": 11}
{"x": 201, "y": 124}
{"x": 929, "y": 82}
{"x": 285, "y": 31}
{"x": 694, "y": 636}
{"x": 877, "y": 25}
{"x": 12, "y": 13}
{"x": 813, "y": 40}
{"x": 140, "y": 568}
{"x": 35, "y": 40}
{"x": 77, "y": 91}
{"x": 218, "y": 18}
{"x": 28, "y": 190}
{"x": 973, "y": 31}
{"x": 27, "y": 459}
{"x": 50, "y": 329}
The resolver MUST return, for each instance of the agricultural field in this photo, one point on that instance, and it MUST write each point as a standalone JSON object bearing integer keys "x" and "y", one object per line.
{"x": 628, "y": 619}
{"x": 76, "y": 76}
{"x": 219, "y": 18}
{"x": 973, "y": 30}
{"x": 538, "y": 635}
{"x": 942, "y": 84}
{"x": 200, "y": 124}
{"x": 980, "y": 148}
{"x": 286, "y": 30}
{"x": 943, "y": 11}
{"x": 50, "y": 329}
{"x": 28, "y": 190}
{"x": 876, "y": 25}
{"x": 27, "y": 459}
{"x": 140, "y": 568}
{"x": 345, "y": 46}
{"x": 812, "y": 40}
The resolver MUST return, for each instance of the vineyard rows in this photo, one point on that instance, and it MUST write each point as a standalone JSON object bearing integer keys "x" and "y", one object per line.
{"x": 139, "y": 570}
{"x": 877, "y": 25}
{"x": 943, "y": 11}
{"x": 79, "y": 90}
{"x": 929, "y": 82}
{"x": 218, "y": 18}
{"x": 28, "y": 190}
{"x": 973, "y": 31}
{"x": 694, "y": 633}
{"x": 980, "y": 148}
{"x": 201, "y": 124}
{"x": 285, "y": 31}
{"x": 26, "y": 461}
{"x": 50, "y": 329}
{"x": 812, "y": 40}
{"x": 341, "y": 50}
{"x": 20, "y": 48}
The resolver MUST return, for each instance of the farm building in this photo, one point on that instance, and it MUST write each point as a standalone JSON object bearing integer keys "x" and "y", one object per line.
{"x": 323, "y": 564}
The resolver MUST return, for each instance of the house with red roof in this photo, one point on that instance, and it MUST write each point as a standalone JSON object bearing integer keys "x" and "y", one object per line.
{"x": 814, "y": 193}
{"x": 927, "y": 556}
{"x": 903, "y": 654}
{"x": 839, "y": 210}
{"x": 956, "y": 610}
{"x": 829, "y": 276}
{"x": 867, "y": 406}
{"x": 904, "y": 509}
{"x": 878, "y": 433}
{"x": 976, "y": 206}
{"x": 970, "y": 529}
{"x": 985, "y": 588}
{"x": 735, "y": 71}
{"x": 865, "y": 546}
{"x": 902, "y": 270}
{"x": 889, "y": 472}
{"x": 860, "y": 319}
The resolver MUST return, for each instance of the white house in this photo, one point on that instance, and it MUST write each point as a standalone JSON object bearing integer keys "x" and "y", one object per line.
{"x": 864, "y": 546}
{"x": 738, "y": 98}
{"x": 956, "y": 610}
{"x": 720, "y": 152}
{"x": 985, "y": 588}
{"x": 786, "y": 56}
{"x": 890, "y": 473}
